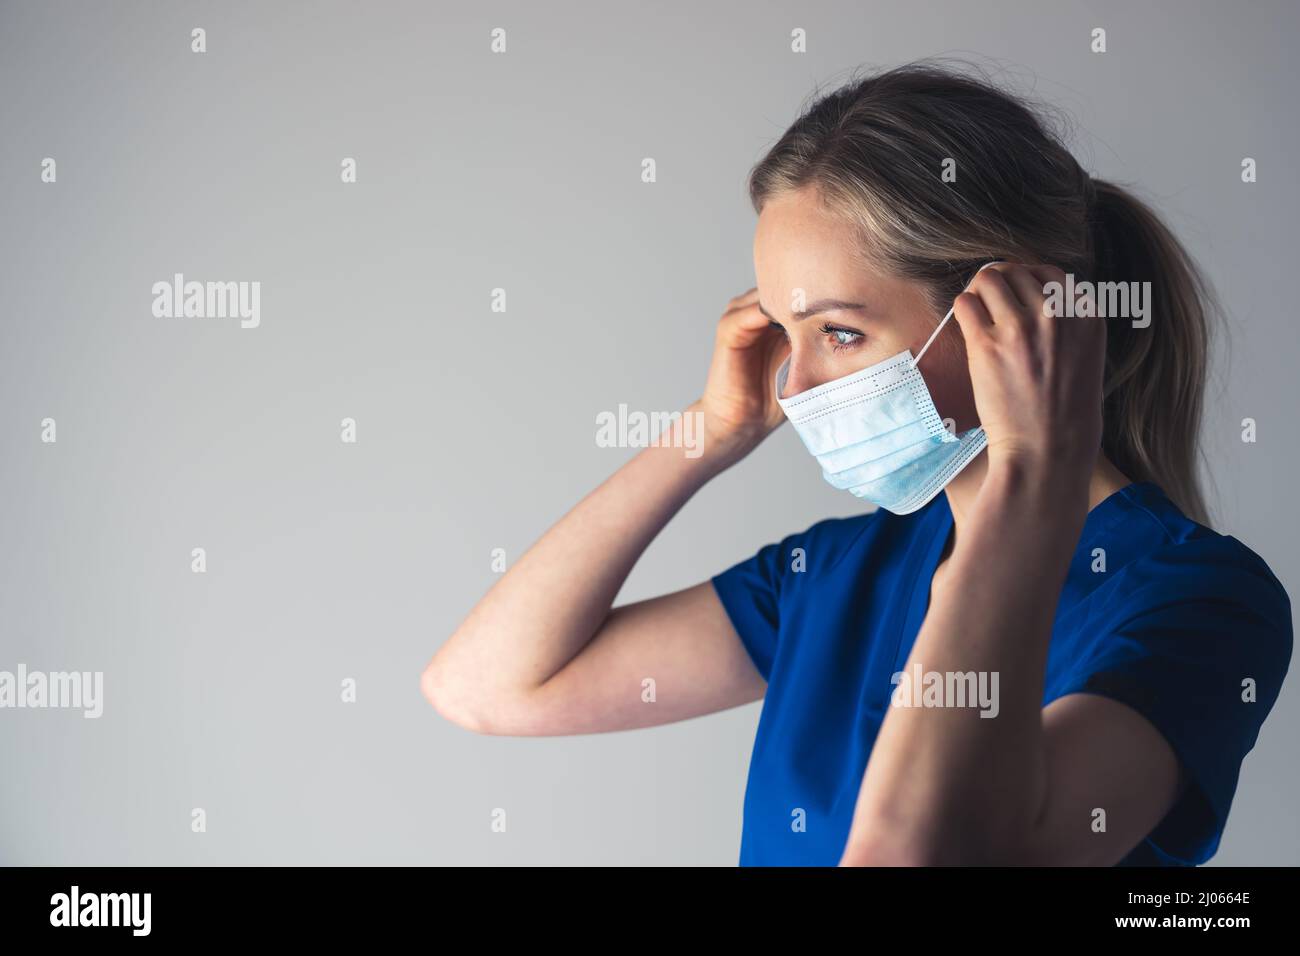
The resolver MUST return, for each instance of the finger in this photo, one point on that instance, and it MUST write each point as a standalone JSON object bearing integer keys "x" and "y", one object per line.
{"x": 1027, "y": 287}
{"x": 969, "y": 311}
{"x": 744, "y": 299}
{"x": 744, "y": 326}
{"x": 1054, "y": 289}
{"x": 1002, "y": 304}
{"x": 1051, "y": 281}
{"x": 1045, "y": 273}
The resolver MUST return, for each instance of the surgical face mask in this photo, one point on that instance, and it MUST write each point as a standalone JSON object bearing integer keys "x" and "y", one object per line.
{"x": 876, "y": 432}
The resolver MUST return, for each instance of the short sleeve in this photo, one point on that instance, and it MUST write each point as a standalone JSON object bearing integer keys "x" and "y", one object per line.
{"x": 750, "y": 591}
{"x": 1204, "y": 663}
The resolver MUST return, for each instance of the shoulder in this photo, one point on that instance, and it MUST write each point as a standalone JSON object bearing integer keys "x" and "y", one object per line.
{"x": 853, "y": 545}
{"x": 1162, "y": 557}
{"x": 817, "y": 552}
{"x": 827, "y": 541}
{"x": 1179, "y": 592}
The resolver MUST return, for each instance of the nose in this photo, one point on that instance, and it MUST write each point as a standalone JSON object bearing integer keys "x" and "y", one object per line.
{"x": 799, "y": 377}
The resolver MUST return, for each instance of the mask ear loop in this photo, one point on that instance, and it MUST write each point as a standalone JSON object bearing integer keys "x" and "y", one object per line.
{"x": 935, "y": 334}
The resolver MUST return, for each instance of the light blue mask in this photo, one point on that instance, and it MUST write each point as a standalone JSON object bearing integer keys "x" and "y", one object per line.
{"x": 876, "y": 432}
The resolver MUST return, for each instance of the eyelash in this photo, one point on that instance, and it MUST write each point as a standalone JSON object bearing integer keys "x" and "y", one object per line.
{"x": 828, "y": 329}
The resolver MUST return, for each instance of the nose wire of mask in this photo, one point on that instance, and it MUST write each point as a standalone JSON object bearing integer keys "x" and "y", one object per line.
{"x": 877, "y": 434}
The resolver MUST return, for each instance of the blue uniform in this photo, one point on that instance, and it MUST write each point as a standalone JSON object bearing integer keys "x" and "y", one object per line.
{"x": 1175, "y": 625}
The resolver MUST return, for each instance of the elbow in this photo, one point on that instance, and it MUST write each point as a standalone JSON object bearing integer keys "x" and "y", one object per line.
{"x": 468, "y": 699}
{"x": 446, "y": 695}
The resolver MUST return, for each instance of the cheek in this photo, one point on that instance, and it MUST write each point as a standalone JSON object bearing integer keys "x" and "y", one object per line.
{"x": 874, "y": 350}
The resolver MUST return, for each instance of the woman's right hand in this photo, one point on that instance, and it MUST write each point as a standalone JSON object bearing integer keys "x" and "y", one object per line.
{"x": 739, "y": 402}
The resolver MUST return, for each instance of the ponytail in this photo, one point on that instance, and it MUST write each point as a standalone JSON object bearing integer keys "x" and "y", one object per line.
{"x": 1155, "y": 374}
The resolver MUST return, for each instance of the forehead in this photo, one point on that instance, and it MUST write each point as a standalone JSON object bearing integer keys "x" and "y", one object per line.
{"x": 799, "y": 244}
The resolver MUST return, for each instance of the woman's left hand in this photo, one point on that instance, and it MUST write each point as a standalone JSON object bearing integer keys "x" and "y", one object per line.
{"x": 1037, "y": 378}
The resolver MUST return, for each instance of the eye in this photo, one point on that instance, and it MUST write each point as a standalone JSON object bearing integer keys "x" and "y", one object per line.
{"x": 780, "y": 328}
{"x": 842, "y": 338}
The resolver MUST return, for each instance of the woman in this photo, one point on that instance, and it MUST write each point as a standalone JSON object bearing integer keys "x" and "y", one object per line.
{"x": 1033, "y": 650}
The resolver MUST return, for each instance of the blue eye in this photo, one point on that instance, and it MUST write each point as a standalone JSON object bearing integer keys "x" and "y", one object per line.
{"x": 843, "y": 338}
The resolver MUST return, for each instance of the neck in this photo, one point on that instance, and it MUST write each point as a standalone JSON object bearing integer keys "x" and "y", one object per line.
{"x": 962, "y": 491}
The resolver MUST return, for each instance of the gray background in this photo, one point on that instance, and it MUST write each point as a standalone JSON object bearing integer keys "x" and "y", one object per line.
{"x": 476, "y": 429}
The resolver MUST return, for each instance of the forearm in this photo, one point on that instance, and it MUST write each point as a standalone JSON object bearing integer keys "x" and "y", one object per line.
{"x": 945, "y": 784}
{"x": 553, "y": 599}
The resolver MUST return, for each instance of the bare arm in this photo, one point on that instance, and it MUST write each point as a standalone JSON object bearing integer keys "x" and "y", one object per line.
{"x": 543, "y": 653}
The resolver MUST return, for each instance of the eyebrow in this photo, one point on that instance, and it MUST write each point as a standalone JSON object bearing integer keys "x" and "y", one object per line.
{"x": 821, "y": 305}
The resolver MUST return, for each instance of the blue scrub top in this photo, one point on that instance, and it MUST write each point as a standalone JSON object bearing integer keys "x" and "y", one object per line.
{"x": 1177, "y": 620}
